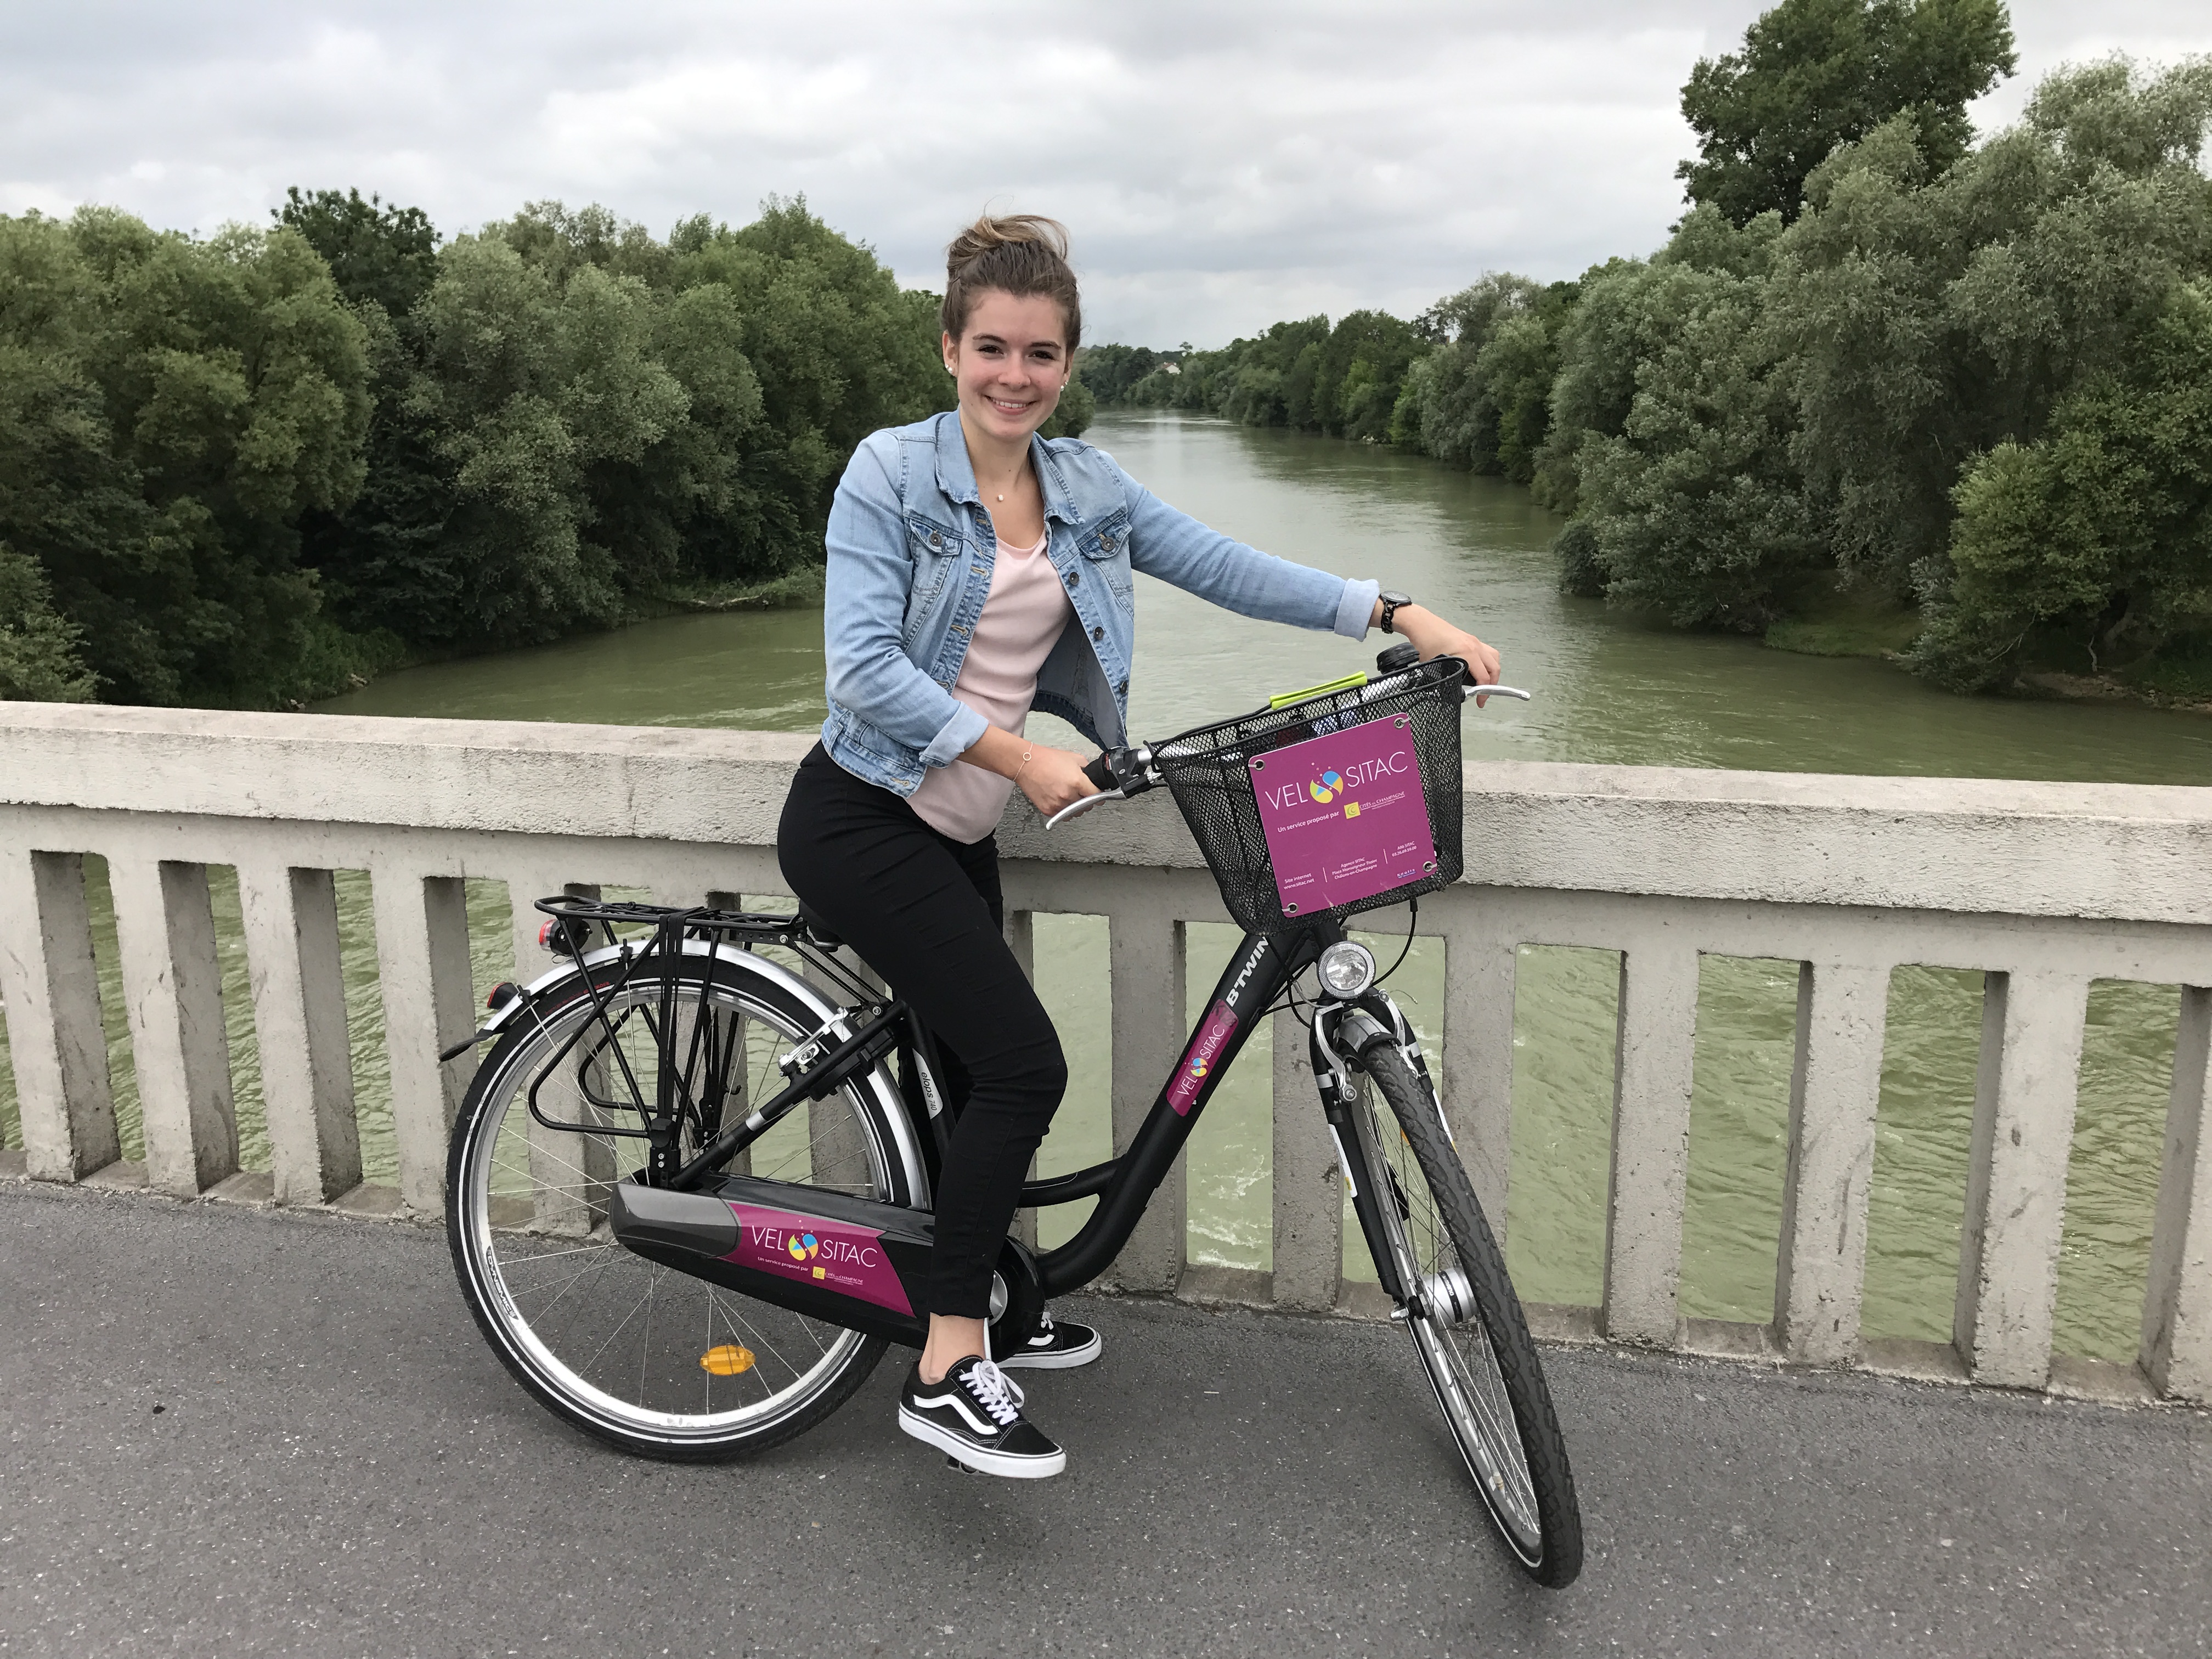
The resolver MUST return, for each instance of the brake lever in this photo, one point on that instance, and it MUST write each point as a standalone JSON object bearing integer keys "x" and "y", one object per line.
{"x": 1075, "y": 810}
{"x": 1473, "y": 691}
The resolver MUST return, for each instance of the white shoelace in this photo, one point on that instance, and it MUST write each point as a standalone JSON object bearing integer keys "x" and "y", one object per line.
{"x": 995, "y": 1391}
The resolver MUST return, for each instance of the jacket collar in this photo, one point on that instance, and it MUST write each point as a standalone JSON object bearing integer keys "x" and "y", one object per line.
{"x": 955, "y": 474}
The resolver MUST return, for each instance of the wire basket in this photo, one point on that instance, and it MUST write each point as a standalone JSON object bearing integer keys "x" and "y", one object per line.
{"x": 1342, "y": 802}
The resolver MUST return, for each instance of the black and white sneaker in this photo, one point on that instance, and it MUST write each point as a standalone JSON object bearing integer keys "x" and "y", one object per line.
{"x": 1057, "y": 1346}
{"x": 974, "y": 1415}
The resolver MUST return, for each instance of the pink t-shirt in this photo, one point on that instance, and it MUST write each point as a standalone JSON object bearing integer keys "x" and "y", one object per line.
{"x": 1023, "y": 615}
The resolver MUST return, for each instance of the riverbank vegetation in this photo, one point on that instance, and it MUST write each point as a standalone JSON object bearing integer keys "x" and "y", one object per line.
{"x": 1882, "y": 389}
{"x": 251, "y": 469}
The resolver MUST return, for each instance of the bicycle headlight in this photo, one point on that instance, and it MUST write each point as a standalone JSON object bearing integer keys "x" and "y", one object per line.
{"x": 1346, "y": 968}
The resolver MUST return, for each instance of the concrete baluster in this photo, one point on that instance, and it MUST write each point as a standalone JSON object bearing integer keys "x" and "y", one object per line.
{"x": 1308, "y": 1186}
{"x": 294, "y": 967}
{"x": 429, "y": 1005}
{"x": 1478, "y": 1063}
{"x": 52, "y": 990}
{"x": 2177, "y": 1341}
{"x": 172, "y": 991}
{"x": 2023, "y": 1136}
{"x": 1834, "y": 1090}
{"x": 1146, "y": 951}
{"x": 1655, "y": 1036}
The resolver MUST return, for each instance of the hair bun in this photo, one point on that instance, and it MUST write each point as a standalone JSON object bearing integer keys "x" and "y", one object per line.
{"x": 988, "y": 233}
{"x": 1018, "y": 253}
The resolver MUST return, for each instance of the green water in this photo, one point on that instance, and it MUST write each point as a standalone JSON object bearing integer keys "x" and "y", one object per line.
{"x": 1607, "y": 690}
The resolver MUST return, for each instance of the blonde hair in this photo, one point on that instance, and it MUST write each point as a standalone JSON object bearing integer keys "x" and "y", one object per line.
{"x": 1022, "y": 253}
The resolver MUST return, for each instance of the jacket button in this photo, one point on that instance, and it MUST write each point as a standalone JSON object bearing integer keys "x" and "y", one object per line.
{"x": 1122, "y": 689}
{"x": 960, "y": 627}
{"x": 936, "y": 540}
{"x": 1073, "y": 577}
{"x": 1098, "y": 633}
{"x": 1106, "y": 543}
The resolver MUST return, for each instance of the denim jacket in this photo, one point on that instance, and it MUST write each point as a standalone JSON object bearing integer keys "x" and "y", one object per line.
{"x": 911, "y": 552}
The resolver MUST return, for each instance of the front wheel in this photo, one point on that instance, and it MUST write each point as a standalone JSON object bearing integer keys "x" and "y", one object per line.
{"x": 1468, "y": 1325}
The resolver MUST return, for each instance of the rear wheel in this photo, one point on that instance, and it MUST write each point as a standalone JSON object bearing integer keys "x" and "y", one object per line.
{"x": 1468, "y": 1325}
{"x": 651, "y": 1359}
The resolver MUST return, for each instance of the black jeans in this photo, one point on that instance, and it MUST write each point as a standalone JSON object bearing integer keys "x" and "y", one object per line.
{"x": 925, "y": 912}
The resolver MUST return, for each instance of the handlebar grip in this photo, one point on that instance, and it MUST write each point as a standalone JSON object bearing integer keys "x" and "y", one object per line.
{"x": 1100, "y": 770}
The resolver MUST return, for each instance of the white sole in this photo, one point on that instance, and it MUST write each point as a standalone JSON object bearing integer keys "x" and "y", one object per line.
{"x": 985, "y": 1463}
{"x": 1054, "y": 1362}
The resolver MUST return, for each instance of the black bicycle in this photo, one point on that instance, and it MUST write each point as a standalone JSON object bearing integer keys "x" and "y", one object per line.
{"x": 689, "y": 1191}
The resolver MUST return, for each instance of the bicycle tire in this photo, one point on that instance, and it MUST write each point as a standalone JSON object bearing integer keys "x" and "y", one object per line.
{"x": 499, "y": 1238}
{"x": 1486, "y": 1354}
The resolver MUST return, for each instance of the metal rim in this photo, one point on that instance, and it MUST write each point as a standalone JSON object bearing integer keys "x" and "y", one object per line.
{"x": 524, "y": 1246}
{"x": 1461, "y": 1367}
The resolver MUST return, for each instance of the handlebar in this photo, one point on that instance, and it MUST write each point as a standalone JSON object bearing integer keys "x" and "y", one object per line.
{"x": 1121, "y": 774}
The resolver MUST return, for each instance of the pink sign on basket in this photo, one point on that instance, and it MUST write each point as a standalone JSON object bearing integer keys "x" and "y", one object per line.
{"x": 1345, "y": 816}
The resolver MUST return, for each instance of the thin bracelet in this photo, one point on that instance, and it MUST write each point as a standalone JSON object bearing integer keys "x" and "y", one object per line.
{"x": 1018, "y": 771}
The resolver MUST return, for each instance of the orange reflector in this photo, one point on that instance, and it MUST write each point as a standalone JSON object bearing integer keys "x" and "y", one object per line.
{"x": 726, "y": 1360}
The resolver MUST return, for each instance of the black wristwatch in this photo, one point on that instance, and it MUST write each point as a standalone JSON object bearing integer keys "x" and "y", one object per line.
{"x": 1391, "y": 601}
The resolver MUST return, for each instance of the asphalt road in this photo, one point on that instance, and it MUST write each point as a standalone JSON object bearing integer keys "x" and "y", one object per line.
{"x": 230, "y": 1433}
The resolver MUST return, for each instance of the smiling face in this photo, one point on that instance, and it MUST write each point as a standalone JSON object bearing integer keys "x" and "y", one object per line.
{"x": 1010, "y": 364}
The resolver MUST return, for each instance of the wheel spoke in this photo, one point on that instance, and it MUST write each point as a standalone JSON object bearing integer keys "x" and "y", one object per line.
{"x": 571, "y": 1314}
{"x": 1460, "y": 1358}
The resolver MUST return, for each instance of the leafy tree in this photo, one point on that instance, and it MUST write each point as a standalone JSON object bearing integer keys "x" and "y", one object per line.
{"x": 532, "y": 385}
{"x": 39, "y": 660}
{"x": 2100, "y": 533}
{"x": 170, "y": 409}
{"x": 1688, "y": 500}
{"x": 1078, "y": 407}
{"x": 840, "y": 349}
{"x": 1481, "y": 399}
{"x": 386, "y": 254}
{"x": 560, "y": 242}
{"x": 378, "y": 556}
{"x": 1357, "y": 373}
{"x": 1110, "y": 371}
{"x": 1815, "y": 74}
{"x": 1932, "y": 317}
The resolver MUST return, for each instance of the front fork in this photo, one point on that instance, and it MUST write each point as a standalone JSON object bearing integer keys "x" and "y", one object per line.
{"x": 1342, "y": 1034}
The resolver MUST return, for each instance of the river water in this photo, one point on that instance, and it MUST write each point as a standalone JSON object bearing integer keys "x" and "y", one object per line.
{"x": 1607, "y": 690}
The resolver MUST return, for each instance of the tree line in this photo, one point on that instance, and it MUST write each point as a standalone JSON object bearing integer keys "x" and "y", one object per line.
{"x": 250, "y": 468}
{"x": 1874, "y": 361}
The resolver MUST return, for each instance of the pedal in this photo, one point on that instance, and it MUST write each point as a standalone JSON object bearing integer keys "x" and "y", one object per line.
{"x": 953, "y": 1462}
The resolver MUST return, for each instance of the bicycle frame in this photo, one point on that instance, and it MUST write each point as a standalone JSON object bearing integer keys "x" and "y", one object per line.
{"x": 735, "y": 1230}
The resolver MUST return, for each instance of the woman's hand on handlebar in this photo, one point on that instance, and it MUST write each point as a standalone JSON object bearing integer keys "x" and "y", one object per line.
{"x": 1053, "y": 778}
{"x": 1432, "y": 637}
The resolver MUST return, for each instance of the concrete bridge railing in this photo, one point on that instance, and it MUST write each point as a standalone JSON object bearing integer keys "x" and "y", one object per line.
{"x": 2043, "y": 888}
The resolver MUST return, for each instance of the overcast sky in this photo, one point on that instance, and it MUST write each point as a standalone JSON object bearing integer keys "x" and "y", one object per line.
{"x": 1221, "y": 165}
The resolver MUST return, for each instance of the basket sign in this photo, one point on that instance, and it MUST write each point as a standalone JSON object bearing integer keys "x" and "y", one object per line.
{"x": 1345, "y": 816}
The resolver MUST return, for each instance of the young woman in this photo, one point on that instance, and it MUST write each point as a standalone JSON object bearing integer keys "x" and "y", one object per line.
{"x": 977, "y": 571}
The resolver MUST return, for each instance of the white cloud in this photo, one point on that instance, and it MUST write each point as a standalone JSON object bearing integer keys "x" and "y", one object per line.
{"x": 1221, "y": 165}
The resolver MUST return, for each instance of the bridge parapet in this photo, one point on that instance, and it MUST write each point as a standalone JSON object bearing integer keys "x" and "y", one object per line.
{"x": 2043, "y": 888}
